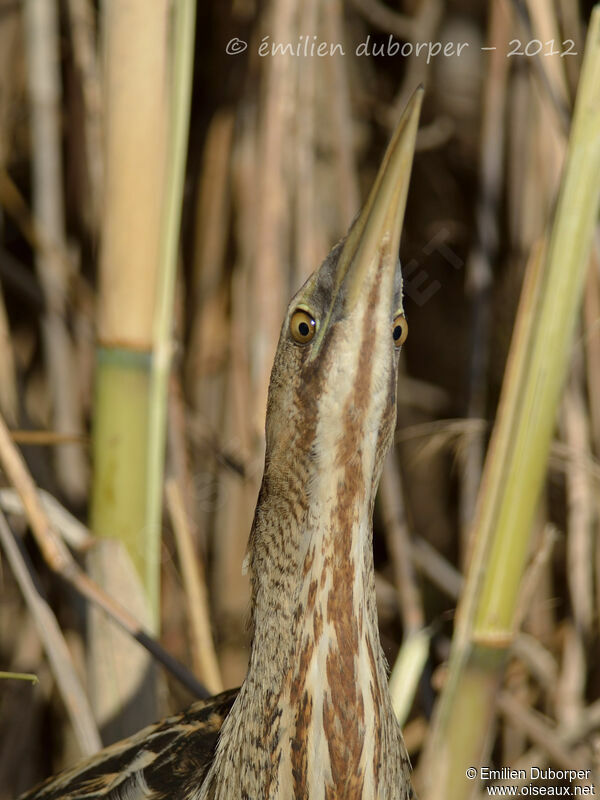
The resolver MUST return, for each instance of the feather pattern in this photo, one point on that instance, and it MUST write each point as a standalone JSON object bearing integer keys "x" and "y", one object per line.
{"x": 313, "y": 718}
{"x": 141, "y": 766}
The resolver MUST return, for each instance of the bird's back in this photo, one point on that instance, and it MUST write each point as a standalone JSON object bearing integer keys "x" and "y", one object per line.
{"x": 147, "y": 764}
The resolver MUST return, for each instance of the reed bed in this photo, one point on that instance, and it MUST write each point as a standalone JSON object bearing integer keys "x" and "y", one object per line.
{"x": 141, "y": 295}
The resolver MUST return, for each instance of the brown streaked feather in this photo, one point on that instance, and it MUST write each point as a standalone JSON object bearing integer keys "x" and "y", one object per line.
{"x": 183, "y": 744}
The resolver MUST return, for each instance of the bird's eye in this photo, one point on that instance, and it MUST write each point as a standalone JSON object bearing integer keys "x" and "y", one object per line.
{"x": 302, "y": 326}
{"x": 399, "y": 330}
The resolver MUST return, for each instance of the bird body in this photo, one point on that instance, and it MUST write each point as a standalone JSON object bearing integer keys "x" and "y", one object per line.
{"x": 313, "y": 718}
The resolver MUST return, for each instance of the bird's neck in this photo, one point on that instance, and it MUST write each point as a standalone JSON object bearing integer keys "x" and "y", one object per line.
{"x": 314, "y": 717}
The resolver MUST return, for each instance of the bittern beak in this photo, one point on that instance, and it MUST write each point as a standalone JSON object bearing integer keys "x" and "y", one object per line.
{"x": 373, "y": 241}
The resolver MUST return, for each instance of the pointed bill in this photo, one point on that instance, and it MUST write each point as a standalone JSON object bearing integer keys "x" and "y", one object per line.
{"x": 375, "y": 234}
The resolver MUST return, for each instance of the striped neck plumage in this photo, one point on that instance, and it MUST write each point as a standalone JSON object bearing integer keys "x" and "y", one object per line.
{"x": 314, "y": 718}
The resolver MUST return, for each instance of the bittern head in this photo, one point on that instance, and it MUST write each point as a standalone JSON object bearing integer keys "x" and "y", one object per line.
{"x": 332, "y": 397}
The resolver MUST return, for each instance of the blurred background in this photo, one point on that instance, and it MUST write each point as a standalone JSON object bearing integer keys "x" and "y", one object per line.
{"x": 292, "y": 104}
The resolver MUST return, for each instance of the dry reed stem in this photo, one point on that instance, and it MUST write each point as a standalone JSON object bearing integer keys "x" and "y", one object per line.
{"x": 60, "y": 561}
{"x": 135, "y": 133}
{"x": 9, "y": 41}
{"x": 478, "y": 275}
{"x": 535, "y": 611}
{"x": 11, "y": 77}
{"x": 411, "y": 659}
{"x": 570, "y": 691}
{"x": 177, "y": 452}
{"x": 42, "y": 39}
{"x": 548, "y": 125}
{"x": 82, "y": 21}
{"x": 381, "y": 16}
{"x": 414, "y": 734}
{"x": 553, "y": 127}
{"x": 540, "y": 731}
{"x": 55, "y": 646}
{"x": 232, "y": 412}
{"x": 534, "y": 573}
{"x": 46, "y": 438}
{"x": 571, "y": 687}
{"x": 346, "y": 175}
{"x": 580, "y": 504}
{"x": 539, "y": 660}
{"x": 424, "y": 29}
{"x": 203, "y": 652}
{"x": 273, "y": 224}
{"x": 8, "y": 385}
{"x": 407, "y": 672}
{"x": 414, "y": 392}
{"x": 307, "y": 246}
{"x": 208, "y": 342}
{"x": 520, "y": 157}
{"x": 545, "y": 28}
{"x": 444, "y": 433}
{"x": 572, "y": 27}
{"x": 588, "y": 722}
{"x": 14, "y": 203}
{"x": 512, "y": 738}
{"x": 435, "y": 567}
{"x": 399, "y": 548}
{"x": 237, "y": 497}
{"x": 544, "y": 82}
{"x": 178, "y": 74}
{"x": 52, "y": 548}
{"x": 74, "y": 533}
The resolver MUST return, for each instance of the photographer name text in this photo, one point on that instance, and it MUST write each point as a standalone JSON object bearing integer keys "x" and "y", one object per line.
{"x": 313, "y": 47}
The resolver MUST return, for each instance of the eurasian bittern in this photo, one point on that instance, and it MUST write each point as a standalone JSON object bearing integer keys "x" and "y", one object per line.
{"x": 313, "y": 718}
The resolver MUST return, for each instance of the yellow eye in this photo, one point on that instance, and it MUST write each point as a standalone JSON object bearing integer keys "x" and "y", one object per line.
{"x": 399, "y": 330}
{"x": 302, "y": 326}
